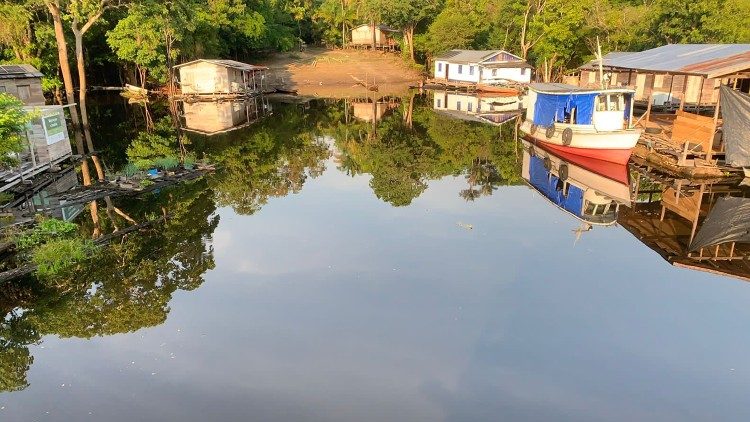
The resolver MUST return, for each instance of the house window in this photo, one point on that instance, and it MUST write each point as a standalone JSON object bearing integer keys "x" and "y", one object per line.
{"x": 523, "y": 71}
{"x": 470, "y": 107}
{"x": 460, "y": 69}
{"x": 494, "y": 72}
{"x": 458, "y": 105}
{"x": 439, "y": 103}
{"x": 24, "y": 92}
{"x": 440, "y": 67}
{"x": 471, "y": 70}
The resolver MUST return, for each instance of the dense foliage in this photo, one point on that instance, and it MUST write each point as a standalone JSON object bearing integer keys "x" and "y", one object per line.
{"x": 13, "y": 120}
{"x": 138, "y": 40}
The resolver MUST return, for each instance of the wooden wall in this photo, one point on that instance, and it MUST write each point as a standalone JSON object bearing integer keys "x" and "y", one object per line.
{"x": 35, "y": 94}
{"x": 664, "y": 87}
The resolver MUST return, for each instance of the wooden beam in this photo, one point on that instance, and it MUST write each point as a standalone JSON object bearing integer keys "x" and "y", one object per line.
{"x": 684, "y": 93}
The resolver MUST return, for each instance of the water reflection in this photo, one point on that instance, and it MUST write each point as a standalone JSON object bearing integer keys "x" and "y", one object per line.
{"x": 212, "y": 118}
{"x": 326, "y": 278}
{"x": 484, "y": 108}
{"x": 701, "y": 226}
{"x": 590, "y": 190}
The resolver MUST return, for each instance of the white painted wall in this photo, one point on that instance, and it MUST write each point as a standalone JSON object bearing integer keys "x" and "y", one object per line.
{"x": 462, "y": 72}
{"x": 515, "y": 74}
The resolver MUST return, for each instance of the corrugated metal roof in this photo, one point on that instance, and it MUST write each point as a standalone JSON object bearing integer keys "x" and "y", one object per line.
{"x": 19, "y": 71}
{"x": 385, "y": 28}
{"x": 226, "y": 63}
{"x": 467, "y": 56}
{"x": 608, "y": 58}
{"x": 710, "y": 60}
{"x": 558, "y": 88}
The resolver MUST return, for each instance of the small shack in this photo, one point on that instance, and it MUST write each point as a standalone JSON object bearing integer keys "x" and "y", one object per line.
{"x": 362, "y": 36}
{"x": 206, "y": 77}
{"x": 482, "y": 66}
{"x": 22, "y": 81}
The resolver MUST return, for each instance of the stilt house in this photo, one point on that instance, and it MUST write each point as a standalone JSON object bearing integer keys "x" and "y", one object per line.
{"x": 220, "y": 77}
{"x": 484, "y": 66}
{"x": 22, "y": 81}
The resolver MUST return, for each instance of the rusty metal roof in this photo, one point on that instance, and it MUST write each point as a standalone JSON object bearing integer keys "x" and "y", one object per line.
{"x": 709, "y": 60}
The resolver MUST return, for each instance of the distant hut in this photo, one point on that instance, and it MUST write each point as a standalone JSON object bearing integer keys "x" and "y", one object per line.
{"x": 22, "y": 81}
{"x": 675, "y": 75}
{"x": 362, "y": 36}
{"x": 481, "y": 66}
{"x": 220, "y": 77}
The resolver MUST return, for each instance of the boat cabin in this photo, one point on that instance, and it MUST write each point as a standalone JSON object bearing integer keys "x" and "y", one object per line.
{"x": 605, "y": 110}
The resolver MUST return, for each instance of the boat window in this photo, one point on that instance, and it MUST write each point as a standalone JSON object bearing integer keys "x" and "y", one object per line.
{"x": 610, "y": 102}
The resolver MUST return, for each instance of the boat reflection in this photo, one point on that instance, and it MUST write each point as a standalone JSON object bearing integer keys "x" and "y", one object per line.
{"x": 213, "y": 118}
{"x": 701, "y": 226}
{"x": 588, "y": 189}
{"x": 480, "y": 107}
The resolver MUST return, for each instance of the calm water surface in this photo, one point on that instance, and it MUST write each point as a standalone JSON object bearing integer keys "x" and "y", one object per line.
{"x": 325, "y": 274}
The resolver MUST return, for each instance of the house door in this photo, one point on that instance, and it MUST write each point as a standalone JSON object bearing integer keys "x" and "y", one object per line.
{"x": 447, "y": 68}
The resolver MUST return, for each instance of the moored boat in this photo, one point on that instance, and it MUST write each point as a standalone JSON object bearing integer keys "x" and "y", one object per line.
{"x": 587, "y": 122}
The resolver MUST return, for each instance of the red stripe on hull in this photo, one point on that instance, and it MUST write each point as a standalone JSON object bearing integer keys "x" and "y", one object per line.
{"x": 618, "y": 156}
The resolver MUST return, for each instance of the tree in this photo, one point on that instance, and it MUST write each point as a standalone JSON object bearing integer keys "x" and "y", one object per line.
{"x": 407, "y": 15}
{"x": 13, "y": 120}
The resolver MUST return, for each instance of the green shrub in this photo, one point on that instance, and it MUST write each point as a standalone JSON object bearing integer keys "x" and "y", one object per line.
{"x": 167, "y": 163}
{"x": 59, "y": 255}
{"x": 146, "y": 183}
{"x": 130, "y": 170}
{"x": 46, "y": 230}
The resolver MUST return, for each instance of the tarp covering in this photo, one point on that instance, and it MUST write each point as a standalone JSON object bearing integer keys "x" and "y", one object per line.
{"x": 735, "y": 111}
{"x": 547, "y": 184}
{"x": 728, "y": 221}
{"x": 551, "y": 108}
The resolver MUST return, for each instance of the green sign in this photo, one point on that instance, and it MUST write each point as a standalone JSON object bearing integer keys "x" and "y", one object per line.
{"x": 54, "y": 126}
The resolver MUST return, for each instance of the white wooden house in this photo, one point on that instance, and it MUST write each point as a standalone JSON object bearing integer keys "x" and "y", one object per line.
{"x": 482, "y": 66}
{"x": 217, "y": 77}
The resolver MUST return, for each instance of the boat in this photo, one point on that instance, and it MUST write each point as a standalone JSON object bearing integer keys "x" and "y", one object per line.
{"x": 498, "y": 90}
{"x": 590, "y": 190}
{"x": 593, "y": 123}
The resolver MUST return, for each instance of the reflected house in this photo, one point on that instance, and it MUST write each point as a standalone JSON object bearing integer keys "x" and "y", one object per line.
{"x": 371, "y": 110}
{"x": 212, "y": 118}
{"x": 590, "y": 190}
{"x": 45, "y": 199}
{"x": 220, "y": 77}
{"x": 484, "y": 108}
{"x": 702, "y": 226}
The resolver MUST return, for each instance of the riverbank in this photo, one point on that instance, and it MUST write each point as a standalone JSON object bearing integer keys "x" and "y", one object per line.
{"x": 341, "y": 73}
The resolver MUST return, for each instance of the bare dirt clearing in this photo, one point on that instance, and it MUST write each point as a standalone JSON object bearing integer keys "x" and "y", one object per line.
{"x": 341, "y": 73}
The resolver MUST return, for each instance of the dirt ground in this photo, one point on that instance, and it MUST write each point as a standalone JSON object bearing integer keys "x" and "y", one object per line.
{"x": 341, "y": 73}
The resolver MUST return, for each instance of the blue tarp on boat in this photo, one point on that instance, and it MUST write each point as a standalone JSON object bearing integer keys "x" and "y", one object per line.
{"x": 551, "y": 108}
{"x": 547, "y": 184}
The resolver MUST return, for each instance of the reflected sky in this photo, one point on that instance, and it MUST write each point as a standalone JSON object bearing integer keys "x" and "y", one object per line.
{"x": 332, "y": 305}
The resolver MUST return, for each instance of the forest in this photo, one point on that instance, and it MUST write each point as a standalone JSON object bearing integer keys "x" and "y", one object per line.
{"x": 136, "y": 41}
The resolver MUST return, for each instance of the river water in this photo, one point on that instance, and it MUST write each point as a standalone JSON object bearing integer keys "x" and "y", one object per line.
{"x": 374, "y": 263}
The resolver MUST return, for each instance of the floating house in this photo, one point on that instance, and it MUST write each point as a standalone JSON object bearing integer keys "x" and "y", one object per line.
{"x": 22, "y": 81}
{"x": 216, "y": 117}
{"x": 482, "y": 67}
{"x": 675, "y": 75}
{"x": 206, "y": 77}
{"x": 362, "y": 36}
{"x": 485, "y": 108}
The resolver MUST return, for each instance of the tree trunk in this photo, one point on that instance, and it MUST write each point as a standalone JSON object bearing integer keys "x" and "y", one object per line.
{"x": 82, "y": 87}
{"x": 62, "y": 55}
{"x": 409, "y": 37}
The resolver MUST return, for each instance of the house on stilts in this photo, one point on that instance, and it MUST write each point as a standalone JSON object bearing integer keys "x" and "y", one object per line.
{"x": 212, "y": 78}
{"x": 489, "y": 67}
